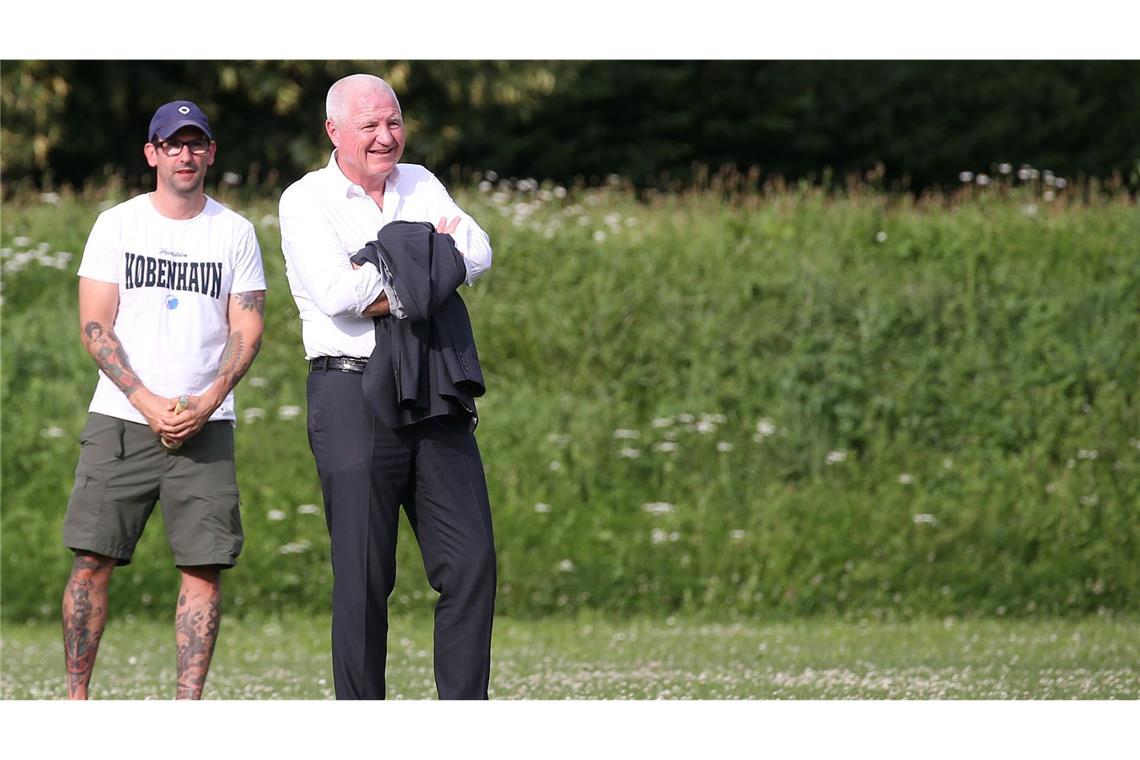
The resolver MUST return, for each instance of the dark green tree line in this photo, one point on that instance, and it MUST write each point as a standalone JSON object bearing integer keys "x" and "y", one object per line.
{"x": 923, "y": 121}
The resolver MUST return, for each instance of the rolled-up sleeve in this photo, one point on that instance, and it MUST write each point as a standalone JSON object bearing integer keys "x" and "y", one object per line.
{"x": 316, "y": 261}
{"x": 470, "y": 239}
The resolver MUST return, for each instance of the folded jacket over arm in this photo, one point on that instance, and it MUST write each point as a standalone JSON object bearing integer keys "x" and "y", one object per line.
{"x": 425, "y": 365}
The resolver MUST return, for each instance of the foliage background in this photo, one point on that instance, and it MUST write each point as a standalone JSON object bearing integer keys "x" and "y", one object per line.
{"x": 652, "y": 122}
{"x": 718, "y": 392}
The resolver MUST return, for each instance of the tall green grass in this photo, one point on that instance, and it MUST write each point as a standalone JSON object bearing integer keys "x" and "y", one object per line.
{"x": 773, "y": 404}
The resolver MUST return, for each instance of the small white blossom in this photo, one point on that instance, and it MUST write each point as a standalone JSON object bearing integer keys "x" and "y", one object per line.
{"x": 965, "y": 176}
{"x": 906, "y": 479}
{"x": 555, "y": 466}
{"x": 881, "y": 236}
{"x": 723, "y": 447}
{"x": 288, "y": 412}
{"x": 629, "y": 453}
{"x": 662, "y": 422}
{"x": 276, "y": 515}
{"x": 834, "y": 457}
{"x": 665, "y": 446}
{"x": 737, "y": 535}
{"x": 925, "y": 519}
{"x": 295, "y": 547}
{"x": 53, "y": 432}
{"x": 658, "y": 536}
{"x": 1088, "y": 454}
{"x": 658, "y": 508}
{"x": 253, "y": 413}
{"x": 541, "y": 508}
{"x": 308, "y": 509}
{"x": 765, "y": 427}
{"x": 624, "y": 433}
{"x": 1005, "y": 168}
{"x": 566, "y": 566}
{"x": 599, "y": 236}
{"x": 258, "y": 382}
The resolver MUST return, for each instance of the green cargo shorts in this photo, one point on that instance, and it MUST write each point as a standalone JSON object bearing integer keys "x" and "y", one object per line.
{"x": 123, "y": 471}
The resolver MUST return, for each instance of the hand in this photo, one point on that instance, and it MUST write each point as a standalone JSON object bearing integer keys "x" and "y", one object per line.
{"x": 154, "y": 409}
{"x": 184, "y": 425}
{"x": 445, "y": 227}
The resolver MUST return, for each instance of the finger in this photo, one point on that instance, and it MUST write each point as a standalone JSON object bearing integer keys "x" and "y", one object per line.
{"x": 454, "y": 225}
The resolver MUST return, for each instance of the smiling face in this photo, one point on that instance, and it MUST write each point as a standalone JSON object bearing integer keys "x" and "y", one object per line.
{"x": 183, "y": 174}
{"x": 369, "y": 137}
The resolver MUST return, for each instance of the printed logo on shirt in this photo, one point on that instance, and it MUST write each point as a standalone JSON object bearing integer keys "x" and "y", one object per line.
{"x": 192, "y": 276}
{"x": 171, "y": 301}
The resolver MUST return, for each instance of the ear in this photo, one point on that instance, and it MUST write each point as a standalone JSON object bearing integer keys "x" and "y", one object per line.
{"x": 213, "y": 152}
{"x": 330, "y": 128}
{"x": 151, "y": 154}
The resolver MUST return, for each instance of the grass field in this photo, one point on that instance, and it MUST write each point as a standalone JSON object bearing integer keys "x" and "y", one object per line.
{"x": 643, "y": 659}
{"x": 746, "y": 405}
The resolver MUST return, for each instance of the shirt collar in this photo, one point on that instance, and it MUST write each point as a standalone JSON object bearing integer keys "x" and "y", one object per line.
{"x": 349, "y": 188}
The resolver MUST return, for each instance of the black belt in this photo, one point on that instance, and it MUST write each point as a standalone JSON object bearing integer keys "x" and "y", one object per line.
{"x": 338, "y": 364}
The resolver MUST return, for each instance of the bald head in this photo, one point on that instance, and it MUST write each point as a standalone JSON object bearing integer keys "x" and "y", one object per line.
{"x": 344, "y": 90}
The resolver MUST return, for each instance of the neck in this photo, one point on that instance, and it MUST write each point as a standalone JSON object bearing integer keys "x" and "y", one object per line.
{"x": 176, "y": 205}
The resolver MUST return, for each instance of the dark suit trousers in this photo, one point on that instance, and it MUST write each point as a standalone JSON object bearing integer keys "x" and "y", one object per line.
{"x": 367, "y": 471}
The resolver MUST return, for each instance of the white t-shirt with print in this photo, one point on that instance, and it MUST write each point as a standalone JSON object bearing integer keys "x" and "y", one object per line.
{"x": 175, "y": 277}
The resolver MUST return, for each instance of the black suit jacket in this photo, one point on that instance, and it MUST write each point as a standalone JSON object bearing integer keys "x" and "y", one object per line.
{"x": 425, "y": 365}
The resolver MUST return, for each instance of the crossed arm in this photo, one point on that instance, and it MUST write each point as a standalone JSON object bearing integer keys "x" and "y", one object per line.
{"x": 98, "y": 306}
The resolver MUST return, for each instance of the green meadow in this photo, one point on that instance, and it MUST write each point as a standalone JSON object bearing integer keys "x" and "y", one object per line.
{"x": 720, "y": 405}
{"x": 591, "y": 657}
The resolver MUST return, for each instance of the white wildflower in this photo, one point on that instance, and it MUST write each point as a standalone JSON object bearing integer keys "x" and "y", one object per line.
{"x": 276, "y": 515}
{"x": 288, "y": 412}
{"x": 658, "y": 507}
{"x": 658, "y": 536}
{"x": 295, "y": 547}
{"x": 834, "y": 457}
{"x": 566, "y": 566}
{"x": 628, "y": 453}
{"x": 723, "y": 447}
{"x": 308, "y": 509}
{"x": 541, "y": 508}
{"x": 881, "y": 236}
{"x": 624, "y": 433}
{"x": 925, "y": 519}
{"x": 662, "y": 422}
{"x": 737, "y": 535}
{"x": 665, "y": 446}
{"x": 906, "y": 478}
{"x": 965, "y": 176}
{"x": 258, "y": 382}
{"x": 53, "y": 432}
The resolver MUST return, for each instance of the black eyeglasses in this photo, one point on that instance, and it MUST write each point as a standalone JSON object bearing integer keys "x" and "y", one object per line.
{"x": 173, "y": 148}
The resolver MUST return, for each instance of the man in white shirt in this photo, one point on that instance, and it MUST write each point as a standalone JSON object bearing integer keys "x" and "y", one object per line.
{"x": 367, "y": 469}
{"x": 171, "y": 298}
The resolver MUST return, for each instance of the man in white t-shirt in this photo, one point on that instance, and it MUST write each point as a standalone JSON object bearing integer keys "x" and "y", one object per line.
{"x": 171, "y": 301}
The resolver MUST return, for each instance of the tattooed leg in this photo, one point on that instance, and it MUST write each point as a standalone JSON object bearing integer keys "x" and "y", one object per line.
{"x": 196, "y": 623}
{"x": 84, "y": 617}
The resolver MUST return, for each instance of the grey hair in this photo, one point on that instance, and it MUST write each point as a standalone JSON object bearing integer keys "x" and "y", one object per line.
{"x": 336, "y": 103}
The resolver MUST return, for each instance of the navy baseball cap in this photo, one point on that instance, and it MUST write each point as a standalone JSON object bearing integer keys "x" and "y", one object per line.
{"x": 173, "y": 116}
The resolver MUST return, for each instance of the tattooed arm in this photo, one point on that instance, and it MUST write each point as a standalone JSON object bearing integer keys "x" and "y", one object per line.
{"x": 246, "y": 312}
{"x": 98, "y": 306}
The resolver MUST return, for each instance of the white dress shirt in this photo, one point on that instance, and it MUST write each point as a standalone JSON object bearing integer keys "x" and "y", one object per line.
{"x": 326, "y": 218}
